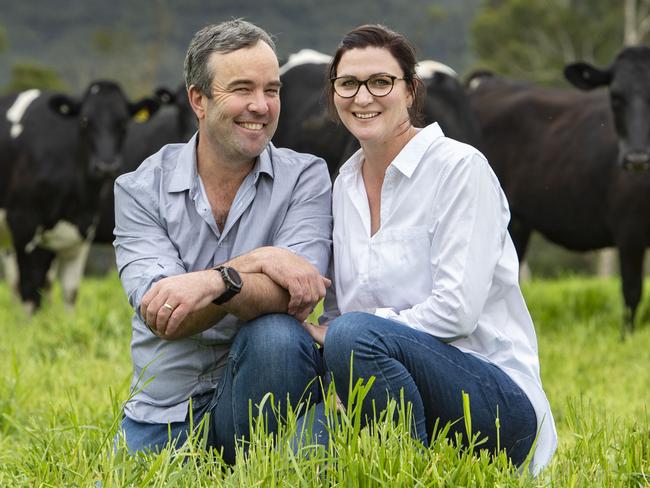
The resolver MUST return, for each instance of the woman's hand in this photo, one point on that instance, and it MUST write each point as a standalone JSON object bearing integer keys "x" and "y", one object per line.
{"x": 317, "y": 332}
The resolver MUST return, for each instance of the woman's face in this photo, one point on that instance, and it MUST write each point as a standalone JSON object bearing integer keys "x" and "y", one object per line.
{"x": 369, "y": 118}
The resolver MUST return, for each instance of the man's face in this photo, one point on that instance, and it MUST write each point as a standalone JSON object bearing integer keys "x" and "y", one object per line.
{"x": 242, "y": 115}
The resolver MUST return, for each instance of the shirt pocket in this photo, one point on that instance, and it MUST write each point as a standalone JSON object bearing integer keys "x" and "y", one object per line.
{"x": 400, "y": 258}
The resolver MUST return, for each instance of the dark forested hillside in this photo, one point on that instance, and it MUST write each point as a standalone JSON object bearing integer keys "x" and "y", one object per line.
{"x": 142, "y": 42}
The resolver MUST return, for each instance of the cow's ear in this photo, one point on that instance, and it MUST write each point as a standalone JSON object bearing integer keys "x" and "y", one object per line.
{"x": 64, "y": 105}
{"x": 586, "y": 77}
{"x": 142, "y": 110}
{"x": 165, "y": 96}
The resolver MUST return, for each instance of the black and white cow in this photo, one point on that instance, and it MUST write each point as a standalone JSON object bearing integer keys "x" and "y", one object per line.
{"x": 305, "y": 124}
{"x": 174, "y": 122}
{"x": 575, "y": 165}
{"x": 58, "y": 165}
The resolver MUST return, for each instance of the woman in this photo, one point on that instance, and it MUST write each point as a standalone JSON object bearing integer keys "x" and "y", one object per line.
{"x": 425, "y": 273}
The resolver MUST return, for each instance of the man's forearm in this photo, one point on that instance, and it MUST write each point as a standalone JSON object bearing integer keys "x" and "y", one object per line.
{"x": 274, "y": 281}
{"x": 259, "y": 295}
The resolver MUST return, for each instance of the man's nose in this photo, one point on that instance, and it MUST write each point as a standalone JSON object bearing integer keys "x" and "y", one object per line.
{"x": 259, "y": 104}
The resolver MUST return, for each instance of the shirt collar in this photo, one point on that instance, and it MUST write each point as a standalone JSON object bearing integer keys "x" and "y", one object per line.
{"x": 185, "y": 174}
{"x": 408, "y": 158}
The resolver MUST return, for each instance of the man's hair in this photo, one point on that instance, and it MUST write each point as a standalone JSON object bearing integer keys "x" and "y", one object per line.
{"x": 224, "y": 37}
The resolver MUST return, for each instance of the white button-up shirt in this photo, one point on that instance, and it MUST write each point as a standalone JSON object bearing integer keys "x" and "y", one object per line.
{"x": 442, "y": 260}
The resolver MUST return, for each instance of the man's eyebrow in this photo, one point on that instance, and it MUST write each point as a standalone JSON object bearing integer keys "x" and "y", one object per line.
{"x": 247, "y": 82}
{"x": 240, "y": 81}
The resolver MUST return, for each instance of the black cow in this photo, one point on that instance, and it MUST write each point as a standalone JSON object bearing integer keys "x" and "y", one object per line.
{"x": 60, "y": 162}
{"x": 174, "y": 122}
{"x": 573, "y": 164}
{"x": 306, "y": 126}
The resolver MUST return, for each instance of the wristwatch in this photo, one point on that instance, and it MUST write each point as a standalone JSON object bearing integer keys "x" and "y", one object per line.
{"x": 233, "y": 283}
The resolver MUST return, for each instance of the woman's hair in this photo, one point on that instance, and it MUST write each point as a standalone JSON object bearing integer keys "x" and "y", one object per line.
{"x": 376, "y": 35}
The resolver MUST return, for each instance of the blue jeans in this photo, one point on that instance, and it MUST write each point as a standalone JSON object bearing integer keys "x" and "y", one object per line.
{"x": 433, "y": 376}
{"x": 271, "y": 354}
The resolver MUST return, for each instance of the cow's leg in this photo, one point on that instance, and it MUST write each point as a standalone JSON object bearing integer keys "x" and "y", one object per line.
{"x": 7, "y": 255}
{"x": 10, "y": 268}
{"x": 33, "y": 261}
{"x": 631, "y": 262}
{"x": 71, "y": 268}
{"x": 32, "y": 270}
{"x": 520, "y": 234}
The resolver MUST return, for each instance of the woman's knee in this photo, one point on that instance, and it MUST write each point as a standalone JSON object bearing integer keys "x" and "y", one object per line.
{"x": 346, "y": 334}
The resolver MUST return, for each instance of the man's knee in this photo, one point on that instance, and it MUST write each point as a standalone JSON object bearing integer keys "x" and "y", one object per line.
{"x": 273, "y": 334}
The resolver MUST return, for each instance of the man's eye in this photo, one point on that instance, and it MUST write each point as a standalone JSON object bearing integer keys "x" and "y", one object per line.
{"x": 274, "y": 92}
{"x": 241, "y": 89}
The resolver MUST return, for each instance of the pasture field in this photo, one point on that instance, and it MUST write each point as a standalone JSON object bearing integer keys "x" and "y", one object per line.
{"x": 65, "y": 375}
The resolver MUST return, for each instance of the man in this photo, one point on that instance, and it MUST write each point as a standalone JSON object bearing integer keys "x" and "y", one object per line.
{"x": 221, "y": 245}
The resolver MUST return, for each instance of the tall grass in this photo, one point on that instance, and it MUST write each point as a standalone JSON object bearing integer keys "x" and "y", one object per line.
{"x": 65, "y": 376}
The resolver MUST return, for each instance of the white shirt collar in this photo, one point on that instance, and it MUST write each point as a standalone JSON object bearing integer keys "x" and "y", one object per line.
{"x": 408, "y": 158}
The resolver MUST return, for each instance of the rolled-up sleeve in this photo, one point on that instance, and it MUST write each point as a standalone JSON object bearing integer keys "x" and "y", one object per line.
{"x": 144, "y": 253}
{"x": 307, "y": 226}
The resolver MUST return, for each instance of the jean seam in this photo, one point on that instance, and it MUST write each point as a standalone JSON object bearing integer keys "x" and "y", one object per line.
{"x": 410, "y": 340}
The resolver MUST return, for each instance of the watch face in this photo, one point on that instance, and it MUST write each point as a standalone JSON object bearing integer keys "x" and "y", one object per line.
{"x": 234, "y": 276}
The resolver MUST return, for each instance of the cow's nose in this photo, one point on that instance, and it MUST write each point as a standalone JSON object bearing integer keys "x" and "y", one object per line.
{"x": 637, "y": 161}
{"x": 107, "y": 167}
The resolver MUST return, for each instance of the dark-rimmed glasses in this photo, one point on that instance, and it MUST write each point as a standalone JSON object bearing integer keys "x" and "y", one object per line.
{"x": 378, "y": 85}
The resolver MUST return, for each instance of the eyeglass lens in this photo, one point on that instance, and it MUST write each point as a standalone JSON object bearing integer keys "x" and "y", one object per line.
{"x": 378, "y": 85}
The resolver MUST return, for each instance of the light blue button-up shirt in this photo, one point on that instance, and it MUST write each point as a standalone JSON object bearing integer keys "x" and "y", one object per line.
{"x": 165, "y": 226}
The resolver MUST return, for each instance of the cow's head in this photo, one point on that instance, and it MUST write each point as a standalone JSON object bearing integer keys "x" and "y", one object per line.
{"x": 447, "y": 104}
{"x": 103, "y": 113}
{"x": 628, "y": 78}
{"x": 186, "y": 119}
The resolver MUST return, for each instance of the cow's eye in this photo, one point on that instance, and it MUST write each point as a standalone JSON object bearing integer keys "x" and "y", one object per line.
{"x": 84, "y": 122}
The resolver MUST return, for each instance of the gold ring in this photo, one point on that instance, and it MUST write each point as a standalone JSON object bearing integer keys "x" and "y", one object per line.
{"x": 168, "y": 306}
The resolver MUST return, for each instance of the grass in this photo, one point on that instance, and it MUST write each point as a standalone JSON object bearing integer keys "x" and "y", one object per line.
{"x": 65, "y": 376}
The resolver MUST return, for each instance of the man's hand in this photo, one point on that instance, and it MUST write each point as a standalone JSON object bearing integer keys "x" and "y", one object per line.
{"x": 298, "y": 276}
{"x": 172, "y": 299}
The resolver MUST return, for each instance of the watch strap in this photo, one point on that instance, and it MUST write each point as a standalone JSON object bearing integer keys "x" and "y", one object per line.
{"x": 232, "y": 288}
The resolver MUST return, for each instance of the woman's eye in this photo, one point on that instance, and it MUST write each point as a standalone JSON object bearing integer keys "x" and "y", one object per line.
{"x": 349, "y": 83}
{"x": 380, "y": 82}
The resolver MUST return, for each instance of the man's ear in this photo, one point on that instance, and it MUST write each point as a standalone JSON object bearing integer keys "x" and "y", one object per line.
{"x": 197, "y": 101}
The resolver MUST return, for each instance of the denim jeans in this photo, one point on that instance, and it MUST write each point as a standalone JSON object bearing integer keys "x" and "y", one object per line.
{"x": 433, "y": 376}
{"x": 271, "y": 354}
